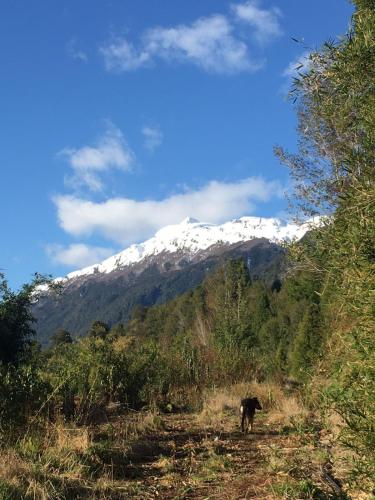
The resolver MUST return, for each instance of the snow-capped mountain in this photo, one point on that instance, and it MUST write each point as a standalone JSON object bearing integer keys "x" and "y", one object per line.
{"x": 175, "y": 260}
{"x": 192, "y": 236}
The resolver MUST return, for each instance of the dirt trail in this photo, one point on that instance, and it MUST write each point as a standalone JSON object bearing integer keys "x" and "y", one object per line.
{"x": 189, "y": 460}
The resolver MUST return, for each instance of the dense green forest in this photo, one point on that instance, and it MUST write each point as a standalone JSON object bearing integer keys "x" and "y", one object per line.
{"x": 77, "y": 306}
{"x": 315, "y": 328}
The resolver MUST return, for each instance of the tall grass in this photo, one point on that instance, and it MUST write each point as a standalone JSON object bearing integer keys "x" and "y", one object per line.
{"x": 281, "y": 408}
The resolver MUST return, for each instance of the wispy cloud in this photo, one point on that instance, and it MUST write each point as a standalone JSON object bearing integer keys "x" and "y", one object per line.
{"x": 208, "y": 43}
{"x": 90, "y": 162}
{"x": 74, "y": 52}
{"x": 265, "y": 22}
{"x": 125, "y": 220}
{"x": 211, "y": 43}
{"x": 77, "y": 254}
{"x": 153, "y": 137}
{"x": 121, "y": 55}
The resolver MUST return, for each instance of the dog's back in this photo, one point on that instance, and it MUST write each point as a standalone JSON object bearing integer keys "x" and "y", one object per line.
{"x": 247, "y": 410}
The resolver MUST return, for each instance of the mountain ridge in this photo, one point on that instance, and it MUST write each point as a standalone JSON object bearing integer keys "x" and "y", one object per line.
{"x": 192, "y": 236}
{"x": 176, "y": 259}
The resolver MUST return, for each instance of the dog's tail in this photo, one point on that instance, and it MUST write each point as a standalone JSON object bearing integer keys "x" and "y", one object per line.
{"x": 242, "y": 408}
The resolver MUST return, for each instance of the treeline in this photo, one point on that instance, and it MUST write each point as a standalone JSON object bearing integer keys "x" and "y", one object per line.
{"x": 226, "y": 330}
{"x": 229, "y": 329}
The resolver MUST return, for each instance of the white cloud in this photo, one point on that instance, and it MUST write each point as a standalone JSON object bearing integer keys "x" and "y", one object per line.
{"x": 121, "y": 55}
{"x": 89, "y": 162}
{"x": 153, "y": 137}
{"x": 208, "y": 43}
{"x": 265, "y": 22}
{"x": 125, "y": 220}
{"x": 77, "y": 254}
{"x": 74, "y": 52}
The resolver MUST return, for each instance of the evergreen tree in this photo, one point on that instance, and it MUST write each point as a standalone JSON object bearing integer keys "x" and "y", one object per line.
{"x": 229, "y": 287}
{"x": 16, "y": 320}
{"x": 259, "y": 306}
{"x": 306, "y": 343}
{"x": 98, "y": 330}
{"x": 60, "y": 337}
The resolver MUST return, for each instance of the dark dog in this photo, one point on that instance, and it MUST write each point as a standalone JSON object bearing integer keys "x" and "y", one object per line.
{"x": 247, "y": 410}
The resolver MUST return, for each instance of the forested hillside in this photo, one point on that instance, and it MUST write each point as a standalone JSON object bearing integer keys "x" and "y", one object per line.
{"x": 111, "y": 297}
{"x": 311, "y": 334}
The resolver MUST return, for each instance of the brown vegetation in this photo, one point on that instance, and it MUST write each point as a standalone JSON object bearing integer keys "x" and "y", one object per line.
{"x": 182, "y": 455}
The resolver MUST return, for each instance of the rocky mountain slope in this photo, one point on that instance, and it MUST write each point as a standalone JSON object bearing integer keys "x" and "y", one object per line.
{"x": 192, "y": 236}
{"x": 175, "y": 260}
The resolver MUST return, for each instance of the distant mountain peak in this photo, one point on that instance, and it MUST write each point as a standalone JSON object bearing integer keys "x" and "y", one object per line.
{"x": 189, "y": 220}
{"x": 191, "y": 236}
{"x": 174, "y": 260}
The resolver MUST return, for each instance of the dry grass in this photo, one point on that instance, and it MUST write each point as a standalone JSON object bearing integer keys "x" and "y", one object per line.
{"x": 60, "y": 460}
{"x": 131, "y": 425}
{"x": 216, "y": 407}
{"x": 287, "y": 412}
{"x": 73, "y": 438}
{"x": 334, "y": 423}
{"x": 150, "y": 422}
{"x": 282, "y": 409}
{"x": 185, "y": 398}
{"x": 12, "y": 467}
{"x": 22, "y": 478}
{"x": 270, "y": 395}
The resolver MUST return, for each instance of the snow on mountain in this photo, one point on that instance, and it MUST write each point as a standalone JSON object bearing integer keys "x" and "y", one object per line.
{"x": 192, "y": 236}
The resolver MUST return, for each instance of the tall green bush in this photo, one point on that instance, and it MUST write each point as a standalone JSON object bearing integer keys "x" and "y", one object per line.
{"x": 334, "y": 174}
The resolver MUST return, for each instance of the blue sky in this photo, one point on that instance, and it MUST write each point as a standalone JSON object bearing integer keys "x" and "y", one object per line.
{"x": 120, "y": 116}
